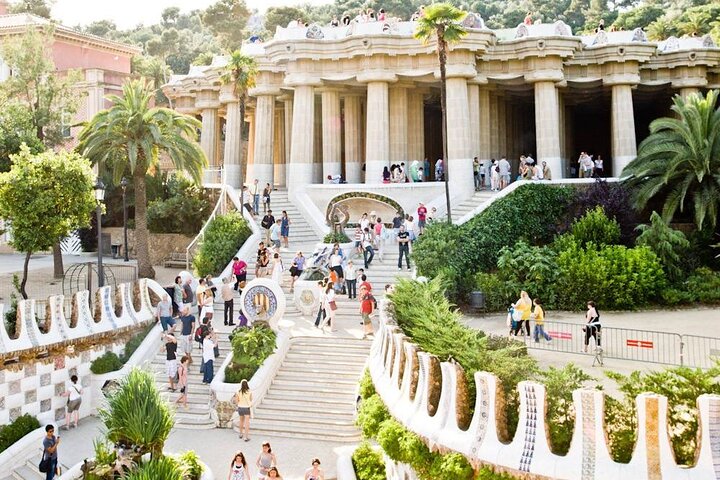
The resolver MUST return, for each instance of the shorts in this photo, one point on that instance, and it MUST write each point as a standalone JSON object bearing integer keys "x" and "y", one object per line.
{"x": 276, "y": 243}
{"x": 339, "y": 270}
{"x": 505, "y": 177}
{"x": 421, "y": 223}
{"x": 186, "y": 343}
{"x": 366, "y": 319}
{"x": 171, "y": 367}
{"x": 357, "y": 244}
{"x": 243, "y": 411}
{"x": 73, "y": 405}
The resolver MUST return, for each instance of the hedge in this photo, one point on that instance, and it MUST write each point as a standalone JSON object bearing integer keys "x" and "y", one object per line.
{"x": 224, "y": 236}
{"x": 17, "y": 429}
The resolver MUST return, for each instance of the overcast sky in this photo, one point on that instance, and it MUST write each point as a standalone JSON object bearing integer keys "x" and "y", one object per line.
{"x": 128, "y": 13}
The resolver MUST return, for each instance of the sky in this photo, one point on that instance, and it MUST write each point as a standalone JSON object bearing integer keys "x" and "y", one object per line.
{"x": 129, "y": 13}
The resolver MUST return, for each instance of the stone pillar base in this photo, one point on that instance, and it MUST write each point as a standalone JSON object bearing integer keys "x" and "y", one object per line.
{"x": 331, "y": 168}
{"x": 232, "y": 175}
{"x": 264, "y": 173}
{"x": 556, "y": 166}
{"x": 374, "y": 170}
{"x": 299, "y": 174}
{"x": 460, "y": 178}
{"x": 619, "y": 163}
{"x": 353, "y": 172}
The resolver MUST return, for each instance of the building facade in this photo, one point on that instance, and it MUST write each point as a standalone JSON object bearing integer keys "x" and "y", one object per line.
{"x": 354, "y": 99}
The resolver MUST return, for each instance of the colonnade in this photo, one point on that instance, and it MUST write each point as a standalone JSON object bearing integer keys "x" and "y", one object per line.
{"x": 303, "y": 136}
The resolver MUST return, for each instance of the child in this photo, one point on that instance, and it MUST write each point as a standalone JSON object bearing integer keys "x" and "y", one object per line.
{"x": 538, "y": 315}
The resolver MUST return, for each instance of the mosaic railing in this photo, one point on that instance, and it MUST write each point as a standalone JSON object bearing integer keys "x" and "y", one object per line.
{"x": 403, "y": 374}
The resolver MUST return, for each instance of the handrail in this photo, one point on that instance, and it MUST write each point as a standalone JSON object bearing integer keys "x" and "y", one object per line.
{"x": 201, "y": 233}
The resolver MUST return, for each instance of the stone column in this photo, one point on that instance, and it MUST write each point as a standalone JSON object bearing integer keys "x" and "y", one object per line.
{"x": 502, "y": 128}
{"x": 416, "y": 126}
{"x": 474, "y": 108}
{"x": 318, "y": 144}
{"x": 460, "y": 171}
{"x": 485, "y": 146}
{"x": 288, "y": 133}
{"x": 377, "y": 142}
{"x": 208, "y": 135}
{"x": 233, "y": 145}
{"x": 353, "y": 139}
{"x": 250, "y": 163}
{"x": 624, "y": 147}
{"x": 547, "y": 127}
{"x": 301, "y": 150}
{"x": 685, "y": 92}
{"x": 494, "y": 130}
{"x": 399, "y": 125}
{"x": 331, "y": 134}
{"x": 264, "y": 119}
{"x": 279, "y": 148}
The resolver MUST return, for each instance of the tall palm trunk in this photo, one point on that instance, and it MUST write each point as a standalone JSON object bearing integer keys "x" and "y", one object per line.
{"x": 442, "y": 57}
{"x": 142, "y": 251}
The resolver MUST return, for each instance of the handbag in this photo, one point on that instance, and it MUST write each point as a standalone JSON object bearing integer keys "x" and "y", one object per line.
{"x": 333, "y": 305}
{"x": 44, "y": 464}
{"x": 202, "y": 367}
{"x": 216, "y": 351}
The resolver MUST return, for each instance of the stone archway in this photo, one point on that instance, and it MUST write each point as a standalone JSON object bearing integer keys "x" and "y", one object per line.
{"x": 358, "y": 203}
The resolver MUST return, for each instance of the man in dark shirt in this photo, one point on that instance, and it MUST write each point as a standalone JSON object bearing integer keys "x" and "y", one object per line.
{"x": 50, "y": 445}
{"x": 404, "y": 247}
{"x": 267, "y": 222}
{"x": 397, "y": 221}
{"x": 188, "y": 295}
{"x": 186, "y": 334}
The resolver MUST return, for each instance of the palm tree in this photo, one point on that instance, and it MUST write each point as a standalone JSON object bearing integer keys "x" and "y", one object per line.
{"x": 441, "y": 21}
{"x": 240, "y": 72}
{"x": 130, "y": 135}
{"x": 679, "y": 162}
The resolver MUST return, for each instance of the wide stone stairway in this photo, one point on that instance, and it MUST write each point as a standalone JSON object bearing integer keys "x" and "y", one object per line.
{"x": 29, "y": 470}
{"x": 463, "y": 208}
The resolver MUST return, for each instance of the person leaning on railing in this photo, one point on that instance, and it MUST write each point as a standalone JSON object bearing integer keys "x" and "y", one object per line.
{"x": 592, "y": 327}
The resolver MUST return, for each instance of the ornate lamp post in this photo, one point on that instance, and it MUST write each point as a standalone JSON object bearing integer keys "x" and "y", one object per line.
{"x": 123, "y": 184}
{"x": 100, "y": 196}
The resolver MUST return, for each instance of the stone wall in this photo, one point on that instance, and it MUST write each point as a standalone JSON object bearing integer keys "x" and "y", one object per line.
{"x": 528, "y": 453}
{"x": 161, "y": 244}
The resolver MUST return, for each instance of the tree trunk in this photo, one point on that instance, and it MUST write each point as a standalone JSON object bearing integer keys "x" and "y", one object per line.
{"x": 142, "y": 250}
{"x": 25, "y": 276}
{"x": 58, "y": 268}
{"x": 442, "y": 56}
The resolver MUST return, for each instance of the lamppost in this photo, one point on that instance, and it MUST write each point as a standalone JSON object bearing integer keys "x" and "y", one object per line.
{"x": 99, "y": 196}
{"x": 124, "y": 183}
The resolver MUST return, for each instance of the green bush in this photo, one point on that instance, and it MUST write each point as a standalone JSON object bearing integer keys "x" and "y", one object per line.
{"x": 499, "y": 294}
{"x": 682, "y": 386}
{"x": 158, "y": 468}
{"x": 251, "y": 346}
{"x": 368, "y": 463}
{"x": 371, "y": 415}
{"x": 224, "y": 236}
{"x": 437, "y": 249}
{"x": 559, "y": 386}
{"x": 135, "y": 342}
{"x": 367, "y": 388}
{"x": 595, "y": 227}
{"x": 615, "y": 277}
{"x": 451, "y": 466}
{"x": 191, "y": 463}
{"x": 182, "y": 208}
{"x": 17, "y": 429}
{"x": 704, "y": 286}
{"x": 486, "y": 473}
{"x": 108, "y": 362}
{"x": 336, "y": 237}
{"x": 667, "y": 243}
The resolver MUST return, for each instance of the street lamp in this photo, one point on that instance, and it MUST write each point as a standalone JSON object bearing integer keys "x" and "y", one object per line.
{"x": 123, "y": 184}
{"x": 99, "y": 196}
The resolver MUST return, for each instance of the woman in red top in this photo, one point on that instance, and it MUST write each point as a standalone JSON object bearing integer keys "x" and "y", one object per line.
{"x": 367, "y": 302}
{"x": 239, "y": 268}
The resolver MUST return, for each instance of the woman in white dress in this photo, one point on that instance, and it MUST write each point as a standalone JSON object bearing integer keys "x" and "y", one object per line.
{"x": 330, "y": 307}
{"x": 277, "y": 268}
{"x": 238, "y": 468}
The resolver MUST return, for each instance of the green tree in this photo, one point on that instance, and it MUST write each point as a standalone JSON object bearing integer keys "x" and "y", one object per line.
{"x": 667, "y": 243}
{"x": 101, "y": 28}
{"x": 280, "y": 17}
{"x": 170, "y": 16}
{"x": 45, "y": 197}
{"x": 441, "y": 22}
{"x": 227, "y": 20}
{"x": 41, "y": 8}
{"x": 240, "y": 72}
{"x": 639, "y": 17}
{"x": 156, "y": 72}
{"x": 695, "y": 23}
{"x": 678, "y": 163}
{"x": 16, "y": 129}
{"x": 130, "y": 136}
{"x": 660, "y": 29}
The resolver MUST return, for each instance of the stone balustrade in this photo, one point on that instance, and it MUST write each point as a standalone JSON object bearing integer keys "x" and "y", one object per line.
{"x": 403, "y": 375}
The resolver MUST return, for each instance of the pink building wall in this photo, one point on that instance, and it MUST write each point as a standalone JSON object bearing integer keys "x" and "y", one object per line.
{"x": 67, "y": 56}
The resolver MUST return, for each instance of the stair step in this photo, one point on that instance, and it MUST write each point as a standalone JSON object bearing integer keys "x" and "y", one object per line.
{"x": 312, "y": 395}
{"x": 338, "y": 410}
{"x": 286, "y": 425}
{"x": 313, "y": 384}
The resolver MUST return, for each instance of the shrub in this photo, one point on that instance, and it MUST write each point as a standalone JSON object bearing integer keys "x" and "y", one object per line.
{"x": 159, "y": 468}
{"x": 595, "y": 227}
{"x": 704, "y": 285}
{"x": 486, "y": 473}
{"x": 17, "y": 429}
{"x": 437, "y": 248}
{"x": 615, "y": 277}
{"x": 559, "y": 386}
{"x": 367, "y": 388}
{"x": 615, "y": 200}
{"x": 682, "y": 386}
{"x": 11, "y": 317}
{"x": 224, "y": 236}
{"x": 135, "y": 342}
{"x": 372, "y": 413}
{"x": 182, "y": 207}
{"x": 368, "y": 463}
{"x": 108, "y": 362}
{"x": 451, "y": 466}
{"x": 668, "y": 244}
{"x": 336, "y": 237}
{"x": 191, "y": 463}
{"x": 499, "y": 294}
{"x": 251, "y": 346}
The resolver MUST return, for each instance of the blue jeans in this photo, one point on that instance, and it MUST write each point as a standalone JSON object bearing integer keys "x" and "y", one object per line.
{"x": 51, "y": 469}
{"x": 351, "y": 288}
{"x": 166, "y": 322}
{"x": 540, "y": 332}
{"x": 256, "y": 203}
{"x": 368, "y": 252}
{"x": 404, "y": 250}
{"x": 208, "y": 372}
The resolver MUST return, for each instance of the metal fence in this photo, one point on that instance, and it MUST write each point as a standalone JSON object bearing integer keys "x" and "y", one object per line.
{"x": 628, "y": 344}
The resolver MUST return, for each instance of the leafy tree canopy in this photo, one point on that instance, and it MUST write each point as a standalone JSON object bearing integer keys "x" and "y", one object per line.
{"x": 227, "y": 19}
{"x": 41, "y": 8}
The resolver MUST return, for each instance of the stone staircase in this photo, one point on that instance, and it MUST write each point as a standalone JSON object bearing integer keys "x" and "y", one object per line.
{"x": 463, "y": 208}
{"x": 313, "y": 393}
{"x": 197, "y": 416}
{"x": 301, "y": 233}
{"x": 29, "y": 470}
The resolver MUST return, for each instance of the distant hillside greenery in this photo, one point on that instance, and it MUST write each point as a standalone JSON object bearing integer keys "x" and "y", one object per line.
{"x": 180, "y": 39}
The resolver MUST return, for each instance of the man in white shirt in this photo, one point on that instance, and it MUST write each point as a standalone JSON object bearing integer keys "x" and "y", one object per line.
{"x": 208, "y": 348}
{"x": 334, "y": 179}
{"x": 255, "y": 192}
{"x": 504, "y": 166}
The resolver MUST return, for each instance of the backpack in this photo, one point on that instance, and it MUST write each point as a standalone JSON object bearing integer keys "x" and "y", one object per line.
{"x": 199, "y": 333}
